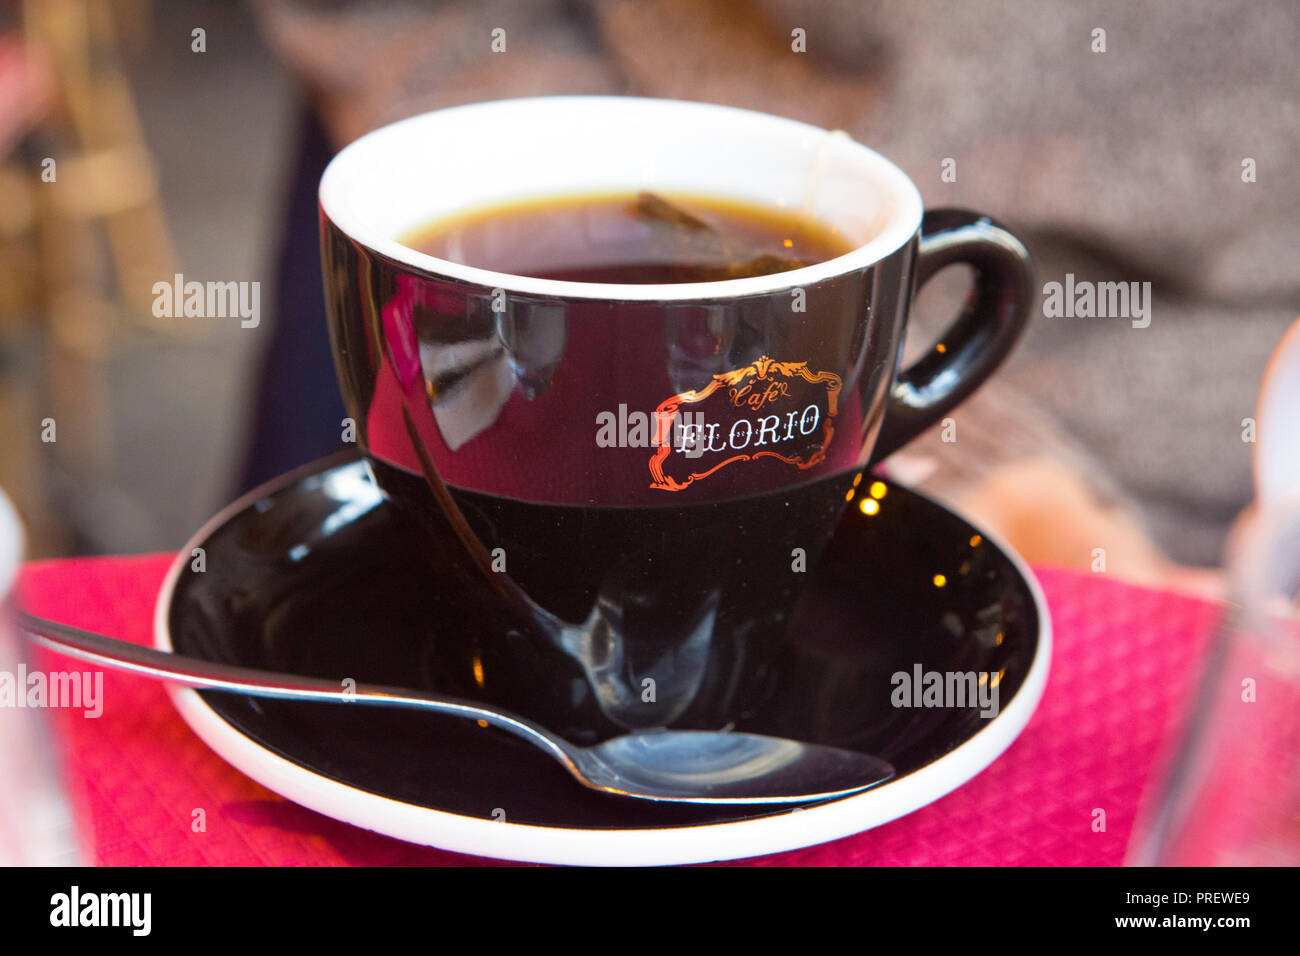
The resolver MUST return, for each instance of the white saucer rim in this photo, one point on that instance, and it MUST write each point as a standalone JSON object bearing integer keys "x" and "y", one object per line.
{"x": 776, "y": 833}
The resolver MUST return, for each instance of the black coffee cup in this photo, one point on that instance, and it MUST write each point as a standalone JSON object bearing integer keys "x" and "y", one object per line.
{"x": 623, "y": 487}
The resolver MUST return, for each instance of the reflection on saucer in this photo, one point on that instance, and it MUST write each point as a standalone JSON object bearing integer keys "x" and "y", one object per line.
{"x": 313, "y": 575}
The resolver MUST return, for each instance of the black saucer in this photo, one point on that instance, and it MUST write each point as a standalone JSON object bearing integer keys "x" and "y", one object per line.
{"x": 315, "y": 576}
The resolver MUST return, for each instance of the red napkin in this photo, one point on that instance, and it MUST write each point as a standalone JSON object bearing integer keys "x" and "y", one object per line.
{"x": 1124, "y": 663}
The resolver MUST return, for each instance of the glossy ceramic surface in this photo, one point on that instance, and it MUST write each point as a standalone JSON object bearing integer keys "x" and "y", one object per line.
{"x": 639, "y": 470}
{"x": 320, "y": 577}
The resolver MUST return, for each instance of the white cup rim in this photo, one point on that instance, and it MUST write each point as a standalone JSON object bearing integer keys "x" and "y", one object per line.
{"x": 903, "y": 224}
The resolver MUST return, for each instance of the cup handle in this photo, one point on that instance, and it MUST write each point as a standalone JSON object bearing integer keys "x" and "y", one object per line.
{"x": 974, "y": 345}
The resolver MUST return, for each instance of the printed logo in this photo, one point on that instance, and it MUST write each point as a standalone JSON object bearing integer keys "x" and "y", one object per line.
{"x": 768, "y": 409}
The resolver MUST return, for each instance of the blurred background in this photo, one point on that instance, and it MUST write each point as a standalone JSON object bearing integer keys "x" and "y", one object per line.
{"x": 143, "y": 140}
{"x": 166, "y": 161}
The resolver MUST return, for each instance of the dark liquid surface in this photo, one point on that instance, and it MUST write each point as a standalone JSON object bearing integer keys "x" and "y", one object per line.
{"x": 634, "y": 238}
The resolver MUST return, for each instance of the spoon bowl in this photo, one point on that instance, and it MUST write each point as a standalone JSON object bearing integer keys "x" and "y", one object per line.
{"x": 715, "y": 767}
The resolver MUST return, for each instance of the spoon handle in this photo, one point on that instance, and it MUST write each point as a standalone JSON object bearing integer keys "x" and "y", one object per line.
{"x": 211, "y": 675}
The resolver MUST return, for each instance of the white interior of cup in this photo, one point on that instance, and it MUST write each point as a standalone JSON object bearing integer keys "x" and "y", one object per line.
{"x": 400, "y": 178}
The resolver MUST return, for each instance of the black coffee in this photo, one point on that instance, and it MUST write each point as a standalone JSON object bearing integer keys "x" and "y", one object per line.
{"x": 632, "y": 238}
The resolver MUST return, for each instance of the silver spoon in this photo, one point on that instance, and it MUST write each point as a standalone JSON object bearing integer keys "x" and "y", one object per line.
{"x": 681, "y": 766}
